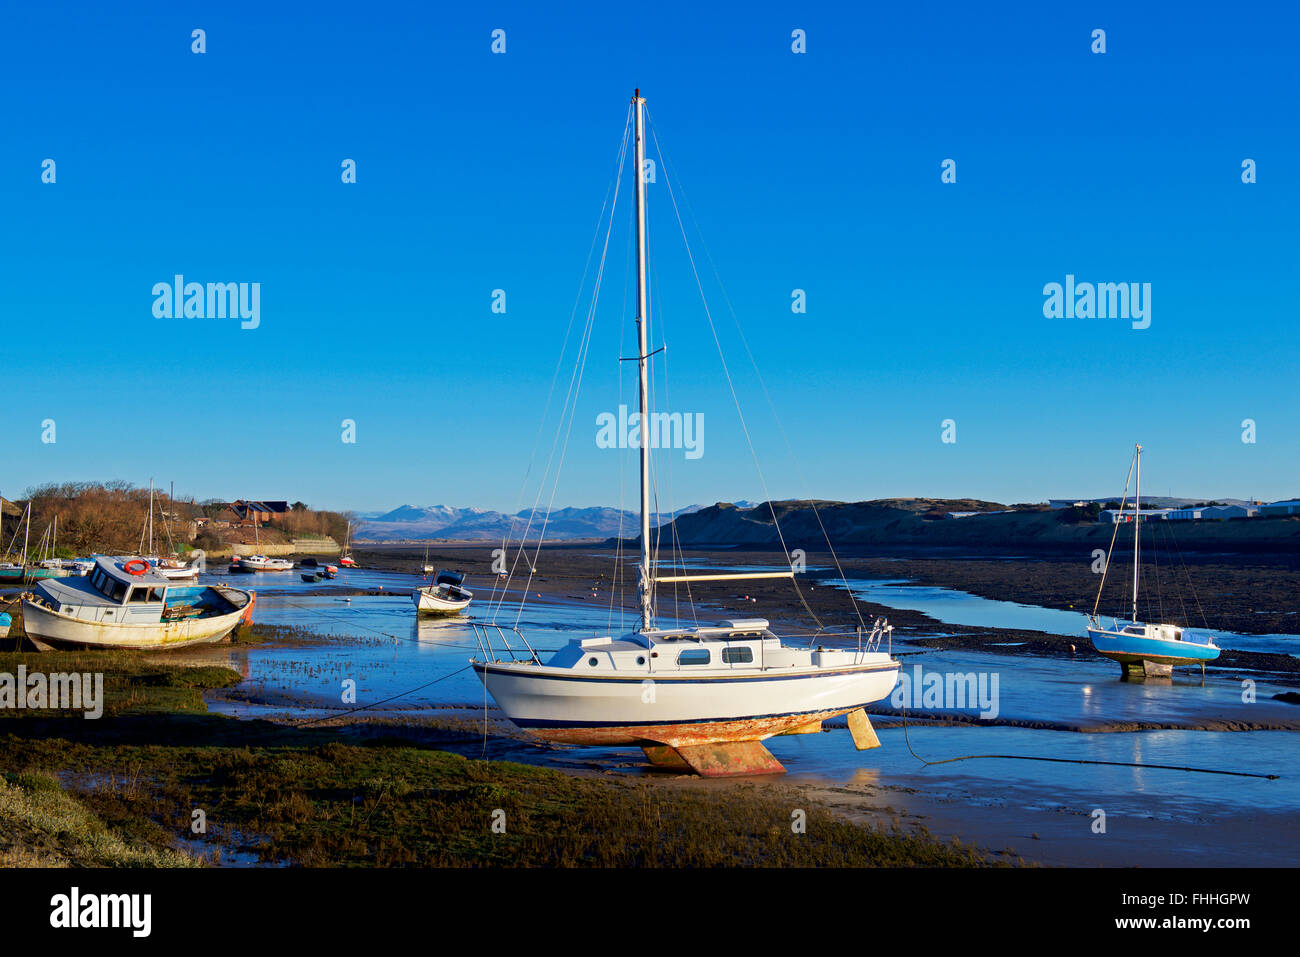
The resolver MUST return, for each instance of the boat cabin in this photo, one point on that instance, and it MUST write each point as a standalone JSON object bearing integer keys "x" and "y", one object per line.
{"x": 449, "y": 583}
{"x": 743, "y": 644}
{"x": 112, "y": 594}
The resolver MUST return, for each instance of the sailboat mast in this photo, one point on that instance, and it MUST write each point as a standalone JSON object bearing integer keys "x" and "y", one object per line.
{"x": 1137, "y": 528}
{"x": 645, "y": 585}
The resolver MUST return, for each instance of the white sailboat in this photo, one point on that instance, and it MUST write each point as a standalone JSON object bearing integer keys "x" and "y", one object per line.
{"x": 1144, "y": 649}
{"x": 346, "y": 560}
{"x": 172, "y": 569}
{"x": 262, "y": 563}
{"x": 702, "y": 698}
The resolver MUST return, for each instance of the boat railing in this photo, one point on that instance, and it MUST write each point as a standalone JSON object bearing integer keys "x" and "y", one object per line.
{"x": 483, "y": 635}
{"x": 880, "y": 628}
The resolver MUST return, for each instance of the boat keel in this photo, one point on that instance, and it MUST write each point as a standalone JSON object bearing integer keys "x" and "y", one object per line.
{"x": 812, "y": 727}
{"x": 1146, "y": 669}
{"x": 662, "y": 756}
{"x": 718, "y": 760}
{"x": 864, "y": 735}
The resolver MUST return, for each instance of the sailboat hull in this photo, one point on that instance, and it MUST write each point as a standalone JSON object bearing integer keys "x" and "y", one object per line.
{"x": 1135, "y": 649}
{"x": 556, "y": 705}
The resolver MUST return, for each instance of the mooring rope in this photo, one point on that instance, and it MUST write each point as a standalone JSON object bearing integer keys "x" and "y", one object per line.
{"x": 375, "y": 704}
{"x": 1120, "y": 764}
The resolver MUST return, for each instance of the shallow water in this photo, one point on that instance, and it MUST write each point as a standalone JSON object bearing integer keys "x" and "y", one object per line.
{"x": 381, "y": 646}
{"x": 961, "y": 608}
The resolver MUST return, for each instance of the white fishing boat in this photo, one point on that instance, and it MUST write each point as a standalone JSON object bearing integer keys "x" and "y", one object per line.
{"x": 174, "y": 570}
{"x": 259, "y": 562}
{"x": 444, "y": 596}
{"x": 264, "y": 563}
{"x": 701, "y": 697}
{"x": 124, "y": 603}
{"x": 1144, "y": 649}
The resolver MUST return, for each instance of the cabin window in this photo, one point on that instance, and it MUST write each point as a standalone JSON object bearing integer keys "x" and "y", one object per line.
{"x": 640, "y": 659}
{"x": 695, "y": 656}
{"x": 593, "y": 661}
{"x": 139, "y": 594}
{"x": 119, "y": 591}
{"x": 743, "y": 655}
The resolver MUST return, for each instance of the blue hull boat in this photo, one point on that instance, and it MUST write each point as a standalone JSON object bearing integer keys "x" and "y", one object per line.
{"x": 1152, "y": 650}
{"x": 1142, "y": 649}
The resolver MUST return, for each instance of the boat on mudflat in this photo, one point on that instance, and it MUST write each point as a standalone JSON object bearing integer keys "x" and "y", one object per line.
{"x": 263, "y": 563}
{"x": 124, "y": 603}
{"x": 15, "y": 573}
{"x": 445, "y": 596}
{"x": 1144, "y": 649}
{"x": 702, "y": 698}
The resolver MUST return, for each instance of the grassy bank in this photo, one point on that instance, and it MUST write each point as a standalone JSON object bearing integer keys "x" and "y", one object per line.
{"x": 122, "y": 791}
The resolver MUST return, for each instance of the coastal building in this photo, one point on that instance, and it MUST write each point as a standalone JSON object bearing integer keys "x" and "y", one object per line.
{"x": 258, "y": 513}
{"x": 1281, "y": 508}
{"x": 1116, "y": 516}
{"x": 1186, "y": 514}
{"x": 1224, "y": 512}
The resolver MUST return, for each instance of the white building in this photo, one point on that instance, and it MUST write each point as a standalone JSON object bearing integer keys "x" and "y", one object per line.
{"x": 1115, "y": 516}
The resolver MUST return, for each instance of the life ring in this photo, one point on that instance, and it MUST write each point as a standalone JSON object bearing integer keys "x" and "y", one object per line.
{"x": 144, "y": 566}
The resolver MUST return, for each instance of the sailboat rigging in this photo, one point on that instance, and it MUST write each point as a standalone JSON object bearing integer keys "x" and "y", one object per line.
{"x": 702, "y": 698}
{"x": 1144, "y": 649}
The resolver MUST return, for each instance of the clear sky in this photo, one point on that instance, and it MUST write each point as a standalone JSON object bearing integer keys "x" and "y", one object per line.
{"x": 818, "y": 171}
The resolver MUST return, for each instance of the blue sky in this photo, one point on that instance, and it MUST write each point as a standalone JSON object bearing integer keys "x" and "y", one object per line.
{"x": 818, "y": 171}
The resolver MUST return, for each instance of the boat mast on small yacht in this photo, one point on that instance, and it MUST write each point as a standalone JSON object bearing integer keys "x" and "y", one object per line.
{"x": 701, "y": 698}
{"x": 259, "y": 562}
{"x": 1142, "y": 649}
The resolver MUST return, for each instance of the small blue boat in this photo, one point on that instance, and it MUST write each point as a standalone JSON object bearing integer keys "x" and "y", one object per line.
{"x": 1142, "y": 649}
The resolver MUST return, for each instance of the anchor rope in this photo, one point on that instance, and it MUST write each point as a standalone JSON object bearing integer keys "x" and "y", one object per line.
{"x": 1032, "y": 757}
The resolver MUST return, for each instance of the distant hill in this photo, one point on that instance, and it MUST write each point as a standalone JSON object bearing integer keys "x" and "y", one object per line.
{"x": 921, "y": 523}
{"x": 417, "y": 523}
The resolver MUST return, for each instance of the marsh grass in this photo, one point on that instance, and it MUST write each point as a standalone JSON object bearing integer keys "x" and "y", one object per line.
{"x": 324, "y": 797}
{"x": 41, "y": 825}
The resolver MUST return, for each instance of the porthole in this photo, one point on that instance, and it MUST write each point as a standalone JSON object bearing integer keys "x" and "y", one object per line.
{"x": 640, "y": 659}
{"x": 593, "y": 661}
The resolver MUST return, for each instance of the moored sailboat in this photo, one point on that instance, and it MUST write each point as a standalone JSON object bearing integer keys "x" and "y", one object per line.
{"x": 702, "y": 698}
{"x": 1144, "y": 649}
